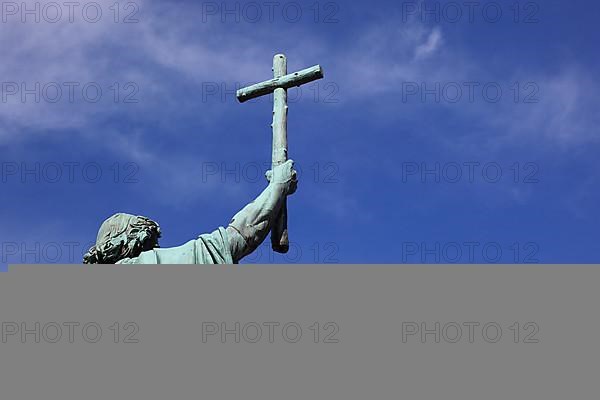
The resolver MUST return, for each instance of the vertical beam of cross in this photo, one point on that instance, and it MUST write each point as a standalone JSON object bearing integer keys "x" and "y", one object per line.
{"x": 279, "y": 231}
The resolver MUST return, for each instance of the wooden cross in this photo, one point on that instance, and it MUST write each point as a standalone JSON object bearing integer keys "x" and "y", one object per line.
{"x": 278, "y": 86}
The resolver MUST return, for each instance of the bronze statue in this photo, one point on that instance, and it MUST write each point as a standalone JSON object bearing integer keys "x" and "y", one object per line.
{"x": 127, "y": 239}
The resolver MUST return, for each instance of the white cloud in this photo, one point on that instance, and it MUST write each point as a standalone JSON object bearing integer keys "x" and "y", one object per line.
{"x": 553, "y": 111}
{"x": 166, "y": 52}
{"x": 434, "y": 40}
{"x": 389, "y": 56}
{"x": 162, "y": 48}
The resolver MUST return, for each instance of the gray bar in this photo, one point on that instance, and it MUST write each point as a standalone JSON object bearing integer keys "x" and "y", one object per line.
{"x": 300, "y": 332}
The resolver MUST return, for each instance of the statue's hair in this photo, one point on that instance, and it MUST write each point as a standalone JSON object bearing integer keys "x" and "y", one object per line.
{"x": 123, "y": 236}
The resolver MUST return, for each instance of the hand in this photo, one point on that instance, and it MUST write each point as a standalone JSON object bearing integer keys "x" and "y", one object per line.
{"x": 285, "y": 175}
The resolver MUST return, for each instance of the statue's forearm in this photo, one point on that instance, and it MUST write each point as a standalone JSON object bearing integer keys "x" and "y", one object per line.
{"x": 250, "y": 226}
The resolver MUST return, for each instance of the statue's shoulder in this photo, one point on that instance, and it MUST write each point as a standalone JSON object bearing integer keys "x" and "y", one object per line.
{"x": 214, "y": 248}
{"x": 208, "y": 248}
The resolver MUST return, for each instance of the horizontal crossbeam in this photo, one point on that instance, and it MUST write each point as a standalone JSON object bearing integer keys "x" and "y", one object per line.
{"x": 287, "y": 81}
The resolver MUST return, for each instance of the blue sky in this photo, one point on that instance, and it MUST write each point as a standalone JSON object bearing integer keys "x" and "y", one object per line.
{"x": 432, "y": 138}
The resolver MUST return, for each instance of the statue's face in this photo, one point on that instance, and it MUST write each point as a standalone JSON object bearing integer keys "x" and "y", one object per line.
{"x": 143, "y": 233}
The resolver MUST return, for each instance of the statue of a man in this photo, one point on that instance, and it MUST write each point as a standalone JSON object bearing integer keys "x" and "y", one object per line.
{"x": 129, "y": 239}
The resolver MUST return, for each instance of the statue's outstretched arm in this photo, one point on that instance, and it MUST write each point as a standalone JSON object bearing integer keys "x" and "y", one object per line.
{"x": 249, "y": 227}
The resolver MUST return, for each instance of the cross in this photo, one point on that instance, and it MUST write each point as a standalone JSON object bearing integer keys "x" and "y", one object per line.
{"x": 278, "y": 86}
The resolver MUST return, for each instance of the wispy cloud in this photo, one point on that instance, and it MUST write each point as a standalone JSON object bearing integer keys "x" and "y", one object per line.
{"x": 155, "y": 54}
{"x": 434, "y": 40}
{"x": 163, "y": 58}
{"x": 389, "y": 55}
{"x": 165, "y": 55}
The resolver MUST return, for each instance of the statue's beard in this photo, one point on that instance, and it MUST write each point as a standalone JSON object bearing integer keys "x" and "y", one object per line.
{"x": 123, "y": 247}
{"x": 144, "y": 242}
{"x": 150, "y": 244}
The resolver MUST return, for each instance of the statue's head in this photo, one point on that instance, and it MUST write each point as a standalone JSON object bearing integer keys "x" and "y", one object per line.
{"x": 123, "y": 236}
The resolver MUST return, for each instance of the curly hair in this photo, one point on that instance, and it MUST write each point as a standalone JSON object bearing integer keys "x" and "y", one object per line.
{"x": 123, "y": 236}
